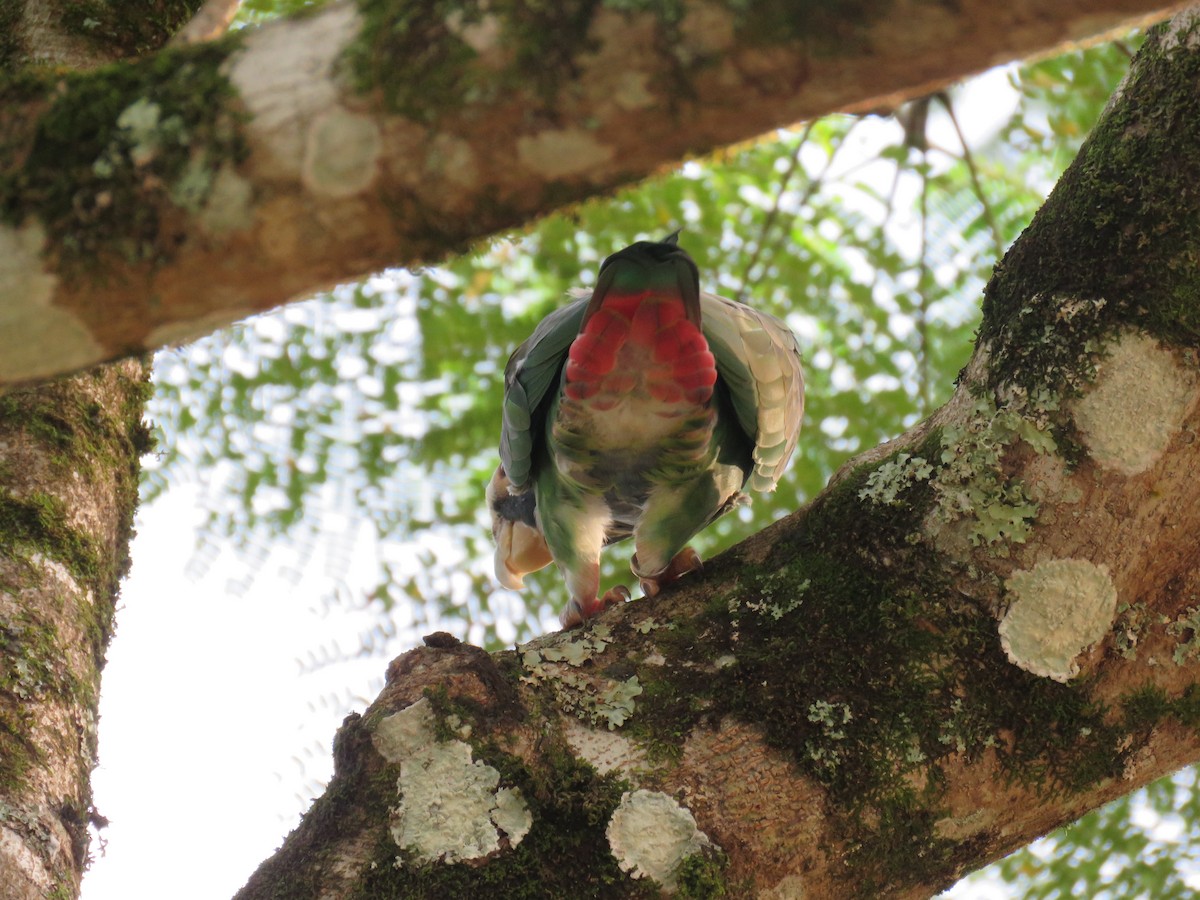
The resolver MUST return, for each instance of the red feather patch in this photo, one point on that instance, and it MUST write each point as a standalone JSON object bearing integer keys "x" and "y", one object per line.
{"x": 645, "y": 341}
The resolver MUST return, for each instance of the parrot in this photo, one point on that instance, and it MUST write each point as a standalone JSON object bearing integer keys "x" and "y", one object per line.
{"x": 641, "y": 409}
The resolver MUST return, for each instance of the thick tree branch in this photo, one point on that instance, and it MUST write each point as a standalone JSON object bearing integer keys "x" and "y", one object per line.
{"x": 971, "y": 637}
{"x": 154, "y": 202}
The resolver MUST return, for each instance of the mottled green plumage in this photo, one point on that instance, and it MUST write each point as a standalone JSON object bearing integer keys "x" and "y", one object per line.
{"x": 639, "y": 411}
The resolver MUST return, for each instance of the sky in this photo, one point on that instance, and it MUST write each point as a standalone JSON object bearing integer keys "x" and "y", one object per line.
{"x": 216, "y": 717}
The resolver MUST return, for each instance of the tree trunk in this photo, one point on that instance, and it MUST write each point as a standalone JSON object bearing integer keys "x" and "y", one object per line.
{"x": 153, "y": 202}
{"x": 69, "y": 455}
{"x": 975, "y": 634}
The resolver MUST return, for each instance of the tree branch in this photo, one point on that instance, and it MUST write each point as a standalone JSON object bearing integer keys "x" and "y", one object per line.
{"x": 154, "y": 202}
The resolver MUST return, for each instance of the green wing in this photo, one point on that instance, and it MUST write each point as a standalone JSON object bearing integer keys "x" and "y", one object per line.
{"x": 759, "y": 361}
{"x": 532, "y": 372}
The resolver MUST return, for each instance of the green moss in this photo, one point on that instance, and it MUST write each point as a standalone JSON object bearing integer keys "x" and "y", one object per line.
{"x": 702, "y": 877}
{"x": 128, "y": 28}
{"x": 17, "y": 752}
{"x": 102, "y": 165}
{"x": 38, "y": 523}
{"x": 12, "y": 45}
{"x": 421, "y": 58}
{"x": 1116, "y": 241}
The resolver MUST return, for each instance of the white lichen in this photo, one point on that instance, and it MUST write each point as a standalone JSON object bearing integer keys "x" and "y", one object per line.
{"x": 790, "y": 887}
{"x": 36, "y": 337}
{"x": 885, "y": 485}
{"x": 449, "y": 806}
{"x": 972, "y": 484}
{"x": 284, "y": 73}
{"x": 1136, "y": 405}
{"x": 482, "y": 35}
{"x": 1183, "y": 30}
{"x": 630, "y": 91}
{"x": 1057, "y": 610}
{"x": 650, "y": 835}
{"x": 559, "y": 153}
{"x": 229, "y": 205}
{"x": 608, "y": 751}
{"x": 592, "y": 699}
{"x": 452, "y": 159}
{"x": 341, "y": 154}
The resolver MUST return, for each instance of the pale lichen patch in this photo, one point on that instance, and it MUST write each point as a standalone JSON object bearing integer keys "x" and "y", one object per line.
{"x": 229, "y": 206}
{"x": 341, "y": 155}
{"x": 452, "y": 159}
{"x": 511, "y": 815}
{"x": 450, "y": 806}
{"x": 482, "y": 36}
{"x": 1137, "y": 404}
{"x": 631, "y": 91}
{"x": 284, "y": 74}
{"x": 1057, "y": 610}
{"x": 36, "y": 338}
{"x": 592, "y": 698}
{"x": 707, "y": 29}
{"x": 650, "y": 835}
{"x": 558, "y": 153}
{"x": 608, "y": 751}
{"x": 1182, "y": 30}
{"x": 790, "y": 887}
{"x": 402, "y": 734}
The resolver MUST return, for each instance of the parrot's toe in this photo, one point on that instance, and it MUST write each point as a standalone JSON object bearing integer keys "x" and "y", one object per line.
{"x": 578, "y": 612}
{"x": 686, "y": 560}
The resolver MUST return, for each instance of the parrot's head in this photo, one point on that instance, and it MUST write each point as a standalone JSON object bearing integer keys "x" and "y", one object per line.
{"x": 520, "y": 547}
{"x": 650, "y": 264}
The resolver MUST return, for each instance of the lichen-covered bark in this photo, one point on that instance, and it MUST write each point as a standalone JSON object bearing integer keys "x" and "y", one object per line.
{"x": 974, "y": 635}
{"x": 69, "y": 456}
{"x": 153, "y": 202}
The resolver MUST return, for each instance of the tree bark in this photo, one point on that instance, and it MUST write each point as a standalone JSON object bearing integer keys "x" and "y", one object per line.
{"x": 69, "y": 456}
{"x": 154, "y": 202}
{"x": 975, "y": 634}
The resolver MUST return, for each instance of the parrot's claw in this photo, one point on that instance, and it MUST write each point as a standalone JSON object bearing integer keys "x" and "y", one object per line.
{"x": 577, "y": 613}
{"x": 686, "y": 560}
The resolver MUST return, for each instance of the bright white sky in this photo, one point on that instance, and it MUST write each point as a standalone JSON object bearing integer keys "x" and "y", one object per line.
{"x": 212, "y": 739}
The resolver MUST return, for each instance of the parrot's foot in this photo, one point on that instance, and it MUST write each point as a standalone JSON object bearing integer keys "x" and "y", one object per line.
{"x": 686, "y": 560}
{"x": 577, "y": 613}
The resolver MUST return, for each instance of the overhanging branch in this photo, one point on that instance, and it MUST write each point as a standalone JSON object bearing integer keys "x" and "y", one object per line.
{"x": 157, "y": 201}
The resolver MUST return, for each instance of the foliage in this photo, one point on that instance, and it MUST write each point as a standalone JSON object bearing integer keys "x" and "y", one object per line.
{"x": 380, "y": 402}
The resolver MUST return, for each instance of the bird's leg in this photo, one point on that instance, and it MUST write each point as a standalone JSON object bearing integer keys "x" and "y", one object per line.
{"x": 672, "y": 515}
{"x": 686, "y": 560}
{"x": 575, "y": 536}
{"x": 579, "y": 611}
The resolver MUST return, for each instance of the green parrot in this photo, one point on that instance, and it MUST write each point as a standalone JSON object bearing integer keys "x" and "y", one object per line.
{"x": 641, "y": 409}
